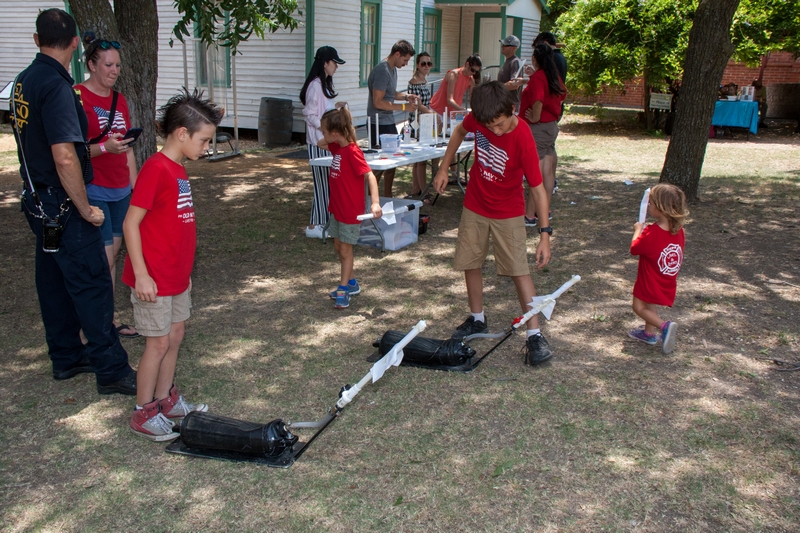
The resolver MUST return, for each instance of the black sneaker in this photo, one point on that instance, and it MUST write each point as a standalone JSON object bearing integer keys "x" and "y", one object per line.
{"x": 469, "y": 327}
{"x": 126, "y": 386}
{"x": 537, "y": 350}
{"x": 80, "y": 367}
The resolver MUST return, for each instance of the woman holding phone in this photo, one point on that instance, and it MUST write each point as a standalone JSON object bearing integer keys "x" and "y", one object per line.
{"x": 112, "y": 156}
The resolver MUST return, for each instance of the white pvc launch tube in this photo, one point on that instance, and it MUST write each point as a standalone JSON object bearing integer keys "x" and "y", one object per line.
{"x": 349, "y": 394}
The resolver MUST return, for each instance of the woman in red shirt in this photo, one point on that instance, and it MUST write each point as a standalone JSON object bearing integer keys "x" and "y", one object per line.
{"x": 113, "y": 160}
{"x": 540, "y": 106}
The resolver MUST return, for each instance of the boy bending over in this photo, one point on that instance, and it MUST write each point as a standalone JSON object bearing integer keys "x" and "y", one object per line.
{"x": 493, "y": 206}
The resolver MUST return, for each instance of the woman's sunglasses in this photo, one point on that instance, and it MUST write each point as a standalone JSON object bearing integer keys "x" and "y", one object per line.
{"x": 425, "y": 64}
{"x": 105, "y": 45}
{"x": 475, "y": 70}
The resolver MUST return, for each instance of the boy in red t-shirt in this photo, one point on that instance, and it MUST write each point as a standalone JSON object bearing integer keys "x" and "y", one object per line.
{"x": 660, "y": 250}
{"x": 504, "y": 153}
{"x": 161, "y": 237}
{"x": 349, "y": 169}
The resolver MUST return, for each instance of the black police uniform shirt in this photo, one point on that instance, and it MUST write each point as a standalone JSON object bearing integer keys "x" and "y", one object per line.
{"x": 48, "y": 112}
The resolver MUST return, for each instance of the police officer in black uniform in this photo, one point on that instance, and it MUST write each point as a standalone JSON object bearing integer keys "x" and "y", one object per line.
{"x": 73, "y": 280}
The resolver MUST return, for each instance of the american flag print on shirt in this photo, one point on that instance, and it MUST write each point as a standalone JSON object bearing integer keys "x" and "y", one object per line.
{"x": 184, "y": 195}
{"x": 102, "y": 119}
{"x": 490, "y": 156}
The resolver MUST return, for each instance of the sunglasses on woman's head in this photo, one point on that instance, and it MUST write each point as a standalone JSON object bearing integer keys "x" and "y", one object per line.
{"x": 105, "y": 45}
{"x": 425, "y": 64}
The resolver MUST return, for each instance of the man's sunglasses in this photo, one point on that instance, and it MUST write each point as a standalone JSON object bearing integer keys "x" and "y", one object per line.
{"x": 425, "y": 64}
{"x": 102, "y": 44}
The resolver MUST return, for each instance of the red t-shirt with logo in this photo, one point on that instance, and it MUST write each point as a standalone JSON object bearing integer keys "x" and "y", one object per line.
{"x": 501, "y": 161}
{"x": 346, "y": 182}
{"x": 537, "y": 89}
{"x": 660, "y": 259}
{"x": 168, "y": 229}
{"x": 110, "y": 170}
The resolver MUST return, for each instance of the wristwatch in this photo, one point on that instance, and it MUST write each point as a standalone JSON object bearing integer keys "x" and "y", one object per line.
{"x": 548, "y": 229}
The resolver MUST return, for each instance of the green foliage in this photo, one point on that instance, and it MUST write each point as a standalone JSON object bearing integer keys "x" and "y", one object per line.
{"x": 229, "y": 22}
{"x": 762, "y": 26}
{"x": 611, "y": 41}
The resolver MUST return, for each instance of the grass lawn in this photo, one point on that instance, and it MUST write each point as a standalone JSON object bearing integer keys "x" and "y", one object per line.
{"x": 612, "y": 435}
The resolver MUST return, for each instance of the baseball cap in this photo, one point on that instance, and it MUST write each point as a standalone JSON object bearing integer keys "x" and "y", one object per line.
{"x": 329, "y": 53}
{"x": 511, "y": 40}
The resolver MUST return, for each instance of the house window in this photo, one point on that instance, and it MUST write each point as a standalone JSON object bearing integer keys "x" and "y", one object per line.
{"x": 432, "y": 35}
{"x": 370, "y": 38}
{"x": 219, "y": 58}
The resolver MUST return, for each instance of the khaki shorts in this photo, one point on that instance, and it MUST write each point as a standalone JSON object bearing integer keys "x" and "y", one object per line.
{"x": 509, "y": 239}
{"x": 347, "y": 233}
{"x": 545, "y": 135}
{"x": 154, "y": 319}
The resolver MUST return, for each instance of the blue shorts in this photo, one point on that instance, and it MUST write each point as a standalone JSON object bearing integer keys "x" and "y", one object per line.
{"x": 115, "y": 214}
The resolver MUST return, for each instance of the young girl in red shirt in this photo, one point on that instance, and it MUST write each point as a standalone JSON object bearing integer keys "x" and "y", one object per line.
{"x": 660, "y": 250}
{"x": 349, "y": 169}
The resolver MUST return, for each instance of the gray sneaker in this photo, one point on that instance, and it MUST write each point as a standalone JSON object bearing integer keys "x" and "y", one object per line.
{"x": 668, "y": 335}
{"x": 175, "y": 406}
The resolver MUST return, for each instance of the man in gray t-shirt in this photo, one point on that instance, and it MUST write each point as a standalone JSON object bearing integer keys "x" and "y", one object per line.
{"x": 382, "y": 85}
{"x": 382, "y": 78}
{"x": 508, "y": 72}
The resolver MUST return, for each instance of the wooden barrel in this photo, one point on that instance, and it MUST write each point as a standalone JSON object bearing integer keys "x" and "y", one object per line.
{"x": 275, "y": 122}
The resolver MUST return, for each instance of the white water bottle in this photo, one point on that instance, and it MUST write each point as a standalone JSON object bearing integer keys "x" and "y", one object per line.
{"x": 407, "y": 132}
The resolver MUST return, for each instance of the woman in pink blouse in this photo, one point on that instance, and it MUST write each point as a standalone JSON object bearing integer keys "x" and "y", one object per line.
{"x": 317, "y": 95}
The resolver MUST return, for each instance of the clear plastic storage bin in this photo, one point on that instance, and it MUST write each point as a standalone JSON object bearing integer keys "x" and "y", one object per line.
{"x": 396, "y": 236}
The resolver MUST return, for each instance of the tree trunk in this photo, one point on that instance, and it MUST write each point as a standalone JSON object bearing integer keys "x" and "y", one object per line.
{"x": 706, "y": 56}
{"x": 138, "y": 28}
{"x": 134, "y": 23}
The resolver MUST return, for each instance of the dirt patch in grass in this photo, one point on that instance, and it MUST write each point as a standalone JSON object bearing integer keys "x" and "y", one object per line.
{"x": 611, "y": 436}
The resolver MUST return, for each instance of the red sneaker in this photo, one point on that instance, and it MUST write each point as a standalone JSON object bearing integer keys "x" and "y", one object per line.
{"x": 151, "y": 424}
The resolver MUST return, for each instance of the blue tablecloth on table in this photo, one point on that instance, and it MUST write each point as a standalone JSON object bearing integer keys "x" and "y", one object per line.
{"x": 736, "y": 114}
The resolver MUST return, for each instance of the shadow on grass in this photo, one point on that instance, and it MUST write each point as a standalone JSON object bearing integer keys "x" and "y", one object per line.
{"x": 611, "y": 435}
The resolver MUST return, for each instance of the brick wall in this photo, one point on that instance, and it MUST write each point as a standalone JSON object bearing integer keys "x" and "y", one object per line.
{"x": 781, "y": 68}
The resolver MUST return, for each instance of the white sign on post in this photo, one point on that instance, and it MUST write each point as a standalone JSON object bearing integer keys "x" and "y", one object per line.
{"x": 660, "y": 101}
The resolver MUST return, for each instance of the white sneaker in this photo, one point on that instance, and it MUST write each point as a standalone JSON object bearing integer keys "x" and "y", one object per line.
{"x": 315, "y": 232}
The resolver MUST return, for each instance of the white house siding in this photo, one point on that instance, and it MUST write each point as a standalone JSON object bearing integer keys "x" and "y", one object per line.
{"x": 397, "y": 22}
{"x": 18, "y": 48}
{"x": 339, "y": 25}
{"x": 170, "y": 60}
{"x": 530, "y": 29}
{"x": 451, "y": 33}
{"x": 274, "y": 67}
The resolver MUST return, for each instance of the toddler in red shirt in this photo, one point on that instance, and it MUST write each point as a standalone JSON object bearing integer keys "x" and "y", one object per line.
{"x": 660, "y": 250}
{"x": 161, "y": 236}
{"x": 349, "y": 169}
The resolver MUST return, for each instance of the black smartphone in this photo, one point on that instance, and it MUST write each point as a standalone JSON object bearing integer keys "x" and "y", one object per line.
{"x": 132, "y": 133}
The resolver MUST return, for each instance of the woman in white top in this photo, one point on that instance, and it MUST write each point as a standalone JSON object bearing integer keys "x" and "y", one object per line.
{"x": 317, "y": 95}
